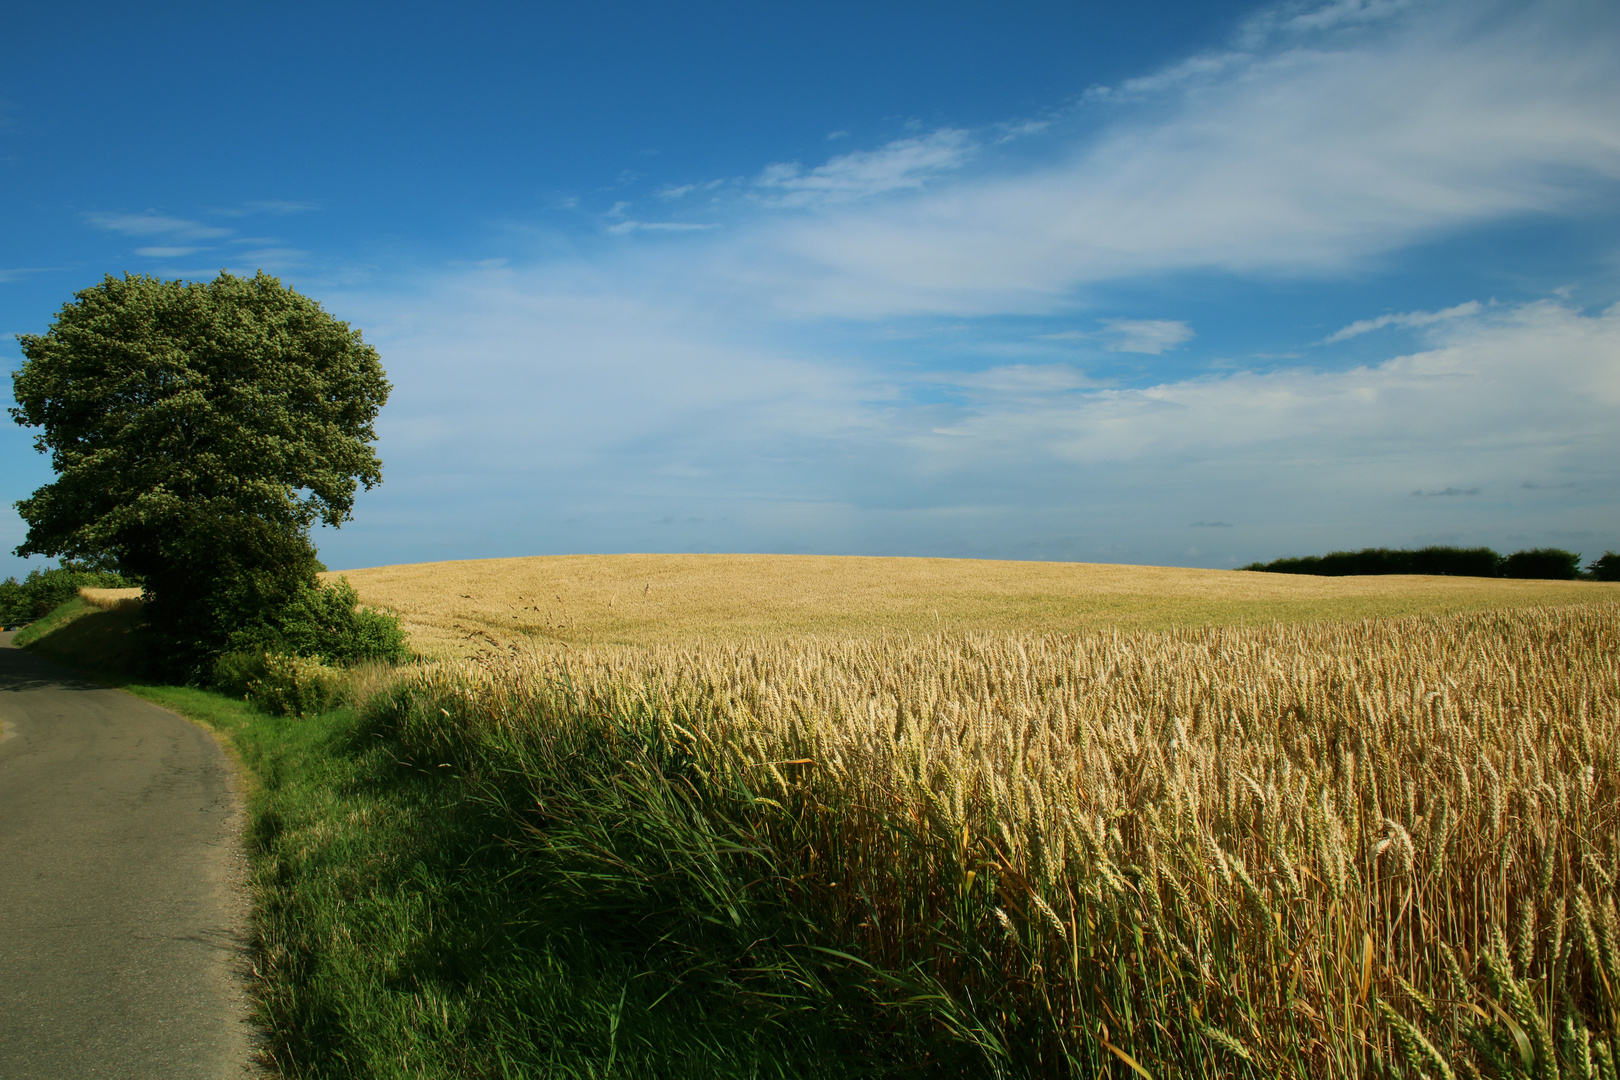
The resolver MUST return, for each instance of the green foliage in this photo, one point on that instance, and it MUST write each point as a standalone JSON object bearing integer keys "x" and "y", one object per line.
{"x": 1544, "y": 563}
{"x": 322, "y": 624}
{"x": 1604, "y": 568}
{"x": 317, "y": 620}
{"x": 197, "y": 432}
{"x": 1448, "y": 561}
{"x": 326, "y": 621}
{"x": 294, "y": 685}
{"x": 237, "y": 670}
{"x": 42, "y": 591}
{"x": 1550, "y": 564}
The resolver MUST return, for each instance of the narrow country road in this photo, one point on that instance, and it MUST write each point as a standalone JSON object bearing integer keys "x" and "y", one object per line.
{"x": 122, "y": 912}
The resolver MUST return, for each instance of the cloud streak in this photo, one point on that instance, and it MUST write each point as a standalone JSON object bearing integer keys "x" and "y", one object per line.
{"x": 153, "y": 224}
{"x": 1409, "y": 319}
{"x": 902, "y": 165}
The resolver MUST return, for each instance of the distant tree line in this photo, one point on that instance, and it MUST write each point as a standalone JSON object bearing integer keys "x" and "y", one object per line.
{"x": 1545, "y": 563}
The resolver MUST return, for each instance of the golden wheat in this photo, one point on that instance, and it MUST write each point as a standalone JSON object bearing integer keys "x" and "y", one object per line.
{"x": 111, "y": 599}
{"x": 458, "y": 608}
{"x": 1291, "y": 849}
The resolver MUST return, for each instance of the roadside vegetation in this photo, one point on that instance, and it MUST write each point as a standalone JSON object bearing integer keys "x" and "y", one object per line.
{"x": 395, "y": 937}
{"x": 46, "y": 589}
{"x": 1383, "y": 847}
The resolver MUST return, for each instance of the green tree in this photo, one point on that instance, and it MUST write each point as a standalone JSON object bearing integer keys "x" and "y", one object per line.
{"x": 198, "y": 431}
{"x": 1549, "y": 563}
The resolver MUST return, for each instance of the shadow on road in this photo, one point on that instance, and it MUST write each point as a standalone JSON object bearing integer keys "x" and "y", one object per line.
{"x": 20, "y": 670}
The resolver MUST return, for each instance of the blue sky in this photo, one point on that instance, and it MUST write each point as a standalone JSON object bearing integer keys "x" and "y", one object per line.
{"x": 1176, "y": 283}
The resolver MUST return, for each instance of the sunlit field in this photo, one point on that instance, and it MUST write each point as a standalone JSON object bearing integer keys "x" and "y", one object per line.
{"x": 1309, "y": 850}
{"x": 1043, "y": 820}
{"x": 457, "y": 608}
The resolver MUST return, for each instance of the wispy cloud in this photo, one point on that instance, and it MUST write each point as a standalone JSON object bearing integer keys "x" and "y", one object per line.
{"x": 1308, "y": 156}
{"x": 154, "y": 224}
{"x": 629, "y": 226}
{"x": 1444, "y": 493}
{"x": 1017, "y": 380}
{"x": 604, "y": 401}
{"x": 1299, "y": 19}
{"x": 904, "y": 164}
{"x": 1408, "y": 319}
{"x": 1151, "y": 336}
{"x": 623, "y": 224}
{"x": 272, "y": 258}
{"x": 13, "y": 273}
{"x": 166, "y": 252}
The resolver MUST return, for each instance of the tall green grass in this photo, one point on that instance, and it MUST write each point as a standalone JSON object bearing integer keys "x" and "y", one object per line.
{"x": 402, "y": 935}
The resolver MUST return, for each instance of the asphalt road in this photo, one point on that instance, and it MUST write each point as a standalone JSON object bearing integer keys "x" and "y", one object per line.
{"x": 122, "y": 912}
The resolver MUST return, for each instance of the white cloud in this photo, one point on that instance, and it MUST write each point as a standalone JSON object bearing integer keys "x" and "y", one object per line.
{"x": 1298, "y": 18}
{"x": 905, "y": 164}
{"x": 14, "y": 273}
{"x": 1151, "y": 336}
{"x": 274, "y": 206}
{"x": 606, "y": 404}
{"x": 1499, "y": 394}
{"x": 1017, "y": 380}
{"x": 1307, "y": 157}
{"x": 1410, "y": 318}
{"x": 153, "y": 224}
{"x": 165, "y": 252}
{"x": 1194, "y": 69}
{"x": 629, "y": 226}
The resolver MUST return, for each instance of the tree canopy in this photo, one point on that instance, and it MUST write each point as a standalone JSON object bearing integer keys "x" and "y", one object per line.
{"x": 198, "y": 431}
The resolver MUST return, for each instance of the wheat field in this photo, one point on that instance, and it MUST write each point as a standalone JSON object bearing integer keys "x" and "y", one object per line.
{"x": 459, "y": 608}
{"x": 1381, "y": 847}
{"x": 111, "y": 599}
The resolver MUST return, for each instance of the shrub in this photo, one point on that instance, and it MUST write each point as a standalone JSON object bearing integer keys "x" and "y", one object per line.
{"x": 235, "y": 672}
{"x": 326, "y": 621}
{"x": 1548, "y": 563}
{"x": 13, "y": 604}
{"x": 1605, "y": 568}
{"x": 294, "y": 685}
